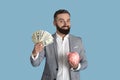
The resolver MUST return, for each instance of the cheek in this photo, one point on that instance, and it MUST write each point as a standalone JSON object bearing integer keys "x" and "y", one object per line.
{"x": 60, "y": 25}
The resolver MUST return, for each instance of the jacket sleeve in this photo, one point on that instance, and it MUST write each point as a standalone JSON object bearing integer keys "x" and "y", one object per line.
{"x": 83, "y": 61}
{"x": 36, "y": 62}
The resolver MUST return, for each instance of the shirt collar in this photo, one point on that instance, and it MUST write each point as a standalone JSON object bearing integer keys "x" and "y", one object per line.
{"x": 59, "y": 37}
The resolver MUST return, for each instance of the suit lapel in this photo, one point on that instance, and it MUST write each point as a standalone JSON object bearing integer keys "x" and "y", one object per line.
{"x": 70, "y": 43}
{"x": 55, "y": 48}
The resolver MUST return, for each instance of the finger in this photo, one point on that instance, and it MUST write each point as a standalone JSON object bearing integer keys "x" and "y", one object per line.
{"x": 71, "y": 64}
{"x": 38, "y": 46}
{"x": 39, "y": 43}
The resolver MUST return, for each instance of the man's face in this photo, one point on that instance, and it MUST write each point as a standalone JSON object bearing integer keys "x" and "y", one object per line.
{"x": 62, "y": 23}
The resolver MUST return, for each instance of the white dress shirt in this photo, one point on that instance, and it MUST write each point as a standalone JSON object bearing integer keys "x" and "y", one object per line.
{"x": 63, "y": 49}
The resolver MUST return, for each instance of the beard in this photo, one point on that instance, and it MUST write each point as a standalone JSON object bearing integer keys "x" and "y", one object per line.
{"x": 62, "y": 30}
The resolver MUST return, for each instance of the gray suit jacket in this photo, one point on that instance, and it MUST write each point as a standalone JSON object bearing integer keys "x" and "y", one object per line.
{"x": 51, "y": 64}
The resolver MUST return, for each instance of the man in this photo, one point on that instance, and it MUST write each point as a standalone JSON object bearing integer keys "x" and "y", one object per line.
{"x": 57, "y": 65}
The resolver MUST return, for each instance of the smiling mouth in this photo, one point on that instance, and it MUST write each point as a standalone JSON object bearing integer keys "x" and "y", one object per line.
{"x": 65, "y": 27}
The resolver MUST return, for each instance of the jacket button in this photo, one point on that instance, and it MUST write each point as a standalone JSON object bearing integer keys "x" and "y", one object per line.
{"x": 54, "y": 79}
{"x": 56, "y": 69}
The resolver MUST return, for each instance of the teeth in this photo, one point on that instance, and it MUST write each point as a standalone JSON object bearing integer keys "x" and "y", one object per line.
{"x": 42, "y": 36}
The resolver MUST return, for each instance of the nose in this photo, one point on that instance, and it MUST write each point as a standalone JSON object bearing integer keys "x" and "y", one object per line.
{"x": 65, "y": 23}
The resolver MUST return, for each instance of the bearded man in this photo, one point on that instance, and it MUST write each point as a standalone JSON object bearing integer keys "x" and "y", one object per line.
{"x": 65, "y": 57}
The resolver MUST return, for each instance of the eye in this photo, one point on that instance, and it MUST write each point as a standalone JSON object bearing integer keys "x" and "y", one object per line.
{"x": 68, "y": 21}
{"x": 61, "y": 21}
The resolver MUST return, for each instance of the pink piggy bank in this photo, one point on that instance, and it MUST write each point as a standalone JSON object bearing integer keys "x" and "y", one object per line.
{"x": 73, "y": 57}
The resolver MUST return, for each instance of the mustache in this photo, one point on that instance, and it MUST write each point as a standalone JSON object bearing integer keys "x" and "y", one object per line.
{"x": 64, "y": 26}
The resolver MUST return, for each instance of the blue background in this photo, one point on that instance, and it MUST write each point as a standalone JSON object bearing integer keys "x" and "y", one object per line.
{"x": 96, "y": 21}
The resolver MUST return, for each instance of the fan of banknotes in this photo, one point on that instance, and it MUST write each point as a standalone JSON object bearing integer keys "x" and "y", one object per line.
{"x": 42, "y": 36}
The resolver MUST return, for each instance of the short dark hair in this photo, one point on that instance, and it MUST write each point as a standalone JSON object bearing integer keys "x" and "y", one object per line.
{"x": 60, "y": 11}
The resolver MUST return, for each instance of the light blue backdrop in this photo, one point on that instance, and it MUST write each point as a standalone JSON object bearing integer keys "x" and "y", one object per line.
{"x": 96, "y": 21}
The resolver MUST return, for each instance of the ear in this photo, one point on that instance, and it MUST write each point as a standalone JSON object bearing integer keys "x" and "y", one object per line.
{"x": 54, "y": 23}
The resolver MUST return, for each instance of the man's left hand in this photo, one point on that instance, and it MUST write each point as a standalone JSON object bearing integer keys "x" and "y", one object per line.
{"x": 73, "y": 59}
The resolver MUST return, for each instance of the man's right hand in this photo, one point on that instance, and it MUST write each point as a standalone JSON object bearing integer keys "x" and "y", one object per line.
{"x": 38, "y": 47}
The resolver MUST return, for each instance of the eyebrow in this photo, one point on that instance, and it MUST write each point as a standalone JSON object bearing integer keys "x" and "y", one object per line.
{"x": 63, "y": 19}
{"x": 60, "y": 19}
